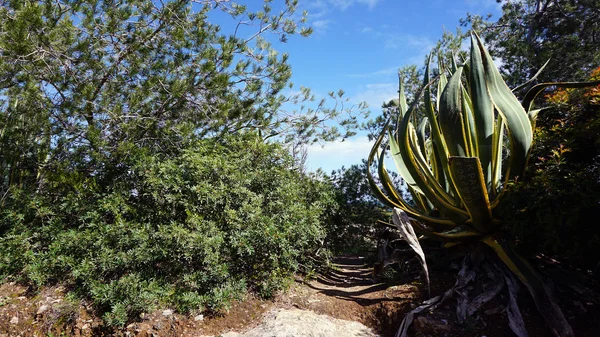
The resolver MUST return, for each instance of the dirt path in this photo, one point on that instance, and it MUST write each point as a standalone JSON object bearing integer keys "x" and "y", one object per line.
{"x": 310, "y": 308}
{"x": 347, "y": 293}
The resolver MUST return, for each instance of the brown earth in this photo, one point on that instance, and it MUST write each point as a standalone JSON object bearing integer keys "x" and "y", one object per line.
{"x": 346, "y": 291}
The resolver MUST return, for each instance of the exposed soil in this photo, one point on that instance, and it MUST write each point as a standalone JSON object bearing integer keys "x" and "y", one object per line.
{"x": 345, "y": 292}
{"x": 348, "y": 292}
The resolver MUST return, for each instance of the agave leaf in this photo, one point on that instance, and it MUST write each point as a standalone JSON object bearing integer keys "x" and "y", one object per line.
{"x": 417, "y": 150}
{"x": 400, "y": 164}
{"x": 435, "y": 133}
{"x": 422, "y": 136}
{"x": 415, "y": 140}
{"x": 433, "y": 159}
{"x": 541, "y": 294}
{"x": 498, "y": 139}
{"x": 402, "y": 106}
{"x": 523, "y": 85}
{"x": 438, "y": 170}
{"x": 422, "y": 202}
{"x": 533, "y": 114}
{"x": 483, "y": 112}
{"x": 454, "y": 66}
{"x": 402, "y": 222}
{"x": 441, "y": 152}
{"x": 387, "y": 183}
{"x": 421, "y": 165}
{"x": 424, "y": 178}
{"x": 386, "y": 180}
{"x": 516, "y": 118}
{"x": 452, "y": 234}
{"x": 468, "y": 177}
{"x": 458, "y": 233}
{"x": 443, "y": 80}
{"x": 451, "y": 117}
{"x": 374, "y": 187}
{"x": 470, "y": 129}
{"x": 530, "y": 96}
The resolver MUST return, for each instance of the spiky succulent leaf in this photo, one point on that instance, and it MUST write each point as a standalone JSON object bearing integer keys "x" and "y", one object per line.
{"x": 505, "y": 102}
{"x": 483, "y": 112}
{"x": 528, "y": 100}
{"x": 470, "y": 183}
{"x": 424, "y": 178}
{"x": 451, "y": 116}
{"x": 454, "y": 162}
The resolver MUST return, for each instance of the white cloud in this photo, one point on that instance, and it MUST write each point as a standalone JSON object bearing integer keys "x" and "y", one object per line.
{"x": 317, "y": 9}
{"x": 367, "y": 30}
{"x": 321, "y": 25}
{"x": 380, "y": 72}
{"x": 405, "y": 41}
{"x": 377, "y": 93}
{"x": 370, "y": 3}
{"x": 334, "y": 155}
{"x": 343, "y": 4}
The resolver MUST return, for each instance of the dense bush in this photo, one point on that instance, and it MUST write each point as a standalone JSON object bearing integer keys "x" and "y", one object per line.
{"x": 352, "y": 224}
{"x": 552, "y": 206}
{"x": 191, "y": 231}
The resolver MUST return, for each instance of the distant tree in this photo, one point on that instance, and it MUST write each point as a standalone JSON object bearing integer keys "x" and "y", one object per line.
{"x": 80, "y": 80}
{"x": 352, "y": 224}
{"x": 411, "y": 76}
{"x": 531, "y": 32}
{"x": 550, "y": 206}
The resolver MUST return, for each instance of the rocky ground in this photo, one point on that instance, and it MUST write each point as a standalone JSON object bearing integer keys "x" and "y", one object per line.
{"x": 341, "y": 302}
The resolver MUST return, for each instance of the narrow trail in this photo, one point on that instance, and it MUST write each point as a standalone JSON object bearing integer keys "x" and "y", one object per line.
{"x": 332, "y": 303}
{"x": 343, "y": 301}
{"x": 348, "y": 292}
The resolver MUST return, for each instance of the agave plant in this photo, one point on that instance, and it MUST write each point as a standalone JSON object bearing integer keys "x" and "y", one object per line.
{"x": 474, "y": 138}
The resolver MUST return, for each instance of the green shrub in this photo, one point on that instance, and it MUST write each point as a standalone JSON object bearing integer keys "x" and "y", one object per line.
{"x": 352, "y": 224}
{"x": 192, "y": 231}
{"x": 550, "y": 209}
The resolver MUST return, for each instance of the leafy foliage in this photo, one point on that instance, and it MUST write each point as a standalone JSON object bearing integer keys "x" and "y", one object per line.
{"x": 531, "y": 32}
{"x": 134, "y": 164}
{"x": 454, "y": 163}
{"x": 351, "y": 223}
{"x": 192, "y": 231}
{"x": 77, "y": 79}
{"x": 550, "y": 208}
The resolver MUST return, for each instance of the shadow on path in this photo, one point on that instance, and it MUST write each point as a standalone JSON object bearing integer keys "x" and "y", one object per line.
{"x": 351, "y": 280}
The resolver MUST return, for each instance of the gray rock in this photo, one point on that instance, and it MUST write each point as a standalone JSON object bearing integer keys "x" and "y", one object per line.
{"x": 42, "y": 309}
{"x": 303, "y": 323}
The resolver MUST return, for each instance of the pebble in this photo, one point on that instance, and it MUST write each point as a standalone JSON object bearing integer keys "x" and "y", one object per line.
{"x": 199, "y": 318}
{"x": 42, "y": 309}
{"x": 14, "y": 320}
{"x": 167, "y": 312}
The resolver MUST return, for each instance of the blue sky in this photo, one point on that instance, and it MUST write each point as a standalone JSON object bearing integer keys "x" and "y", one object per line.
{"x": 359, "y": 45}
